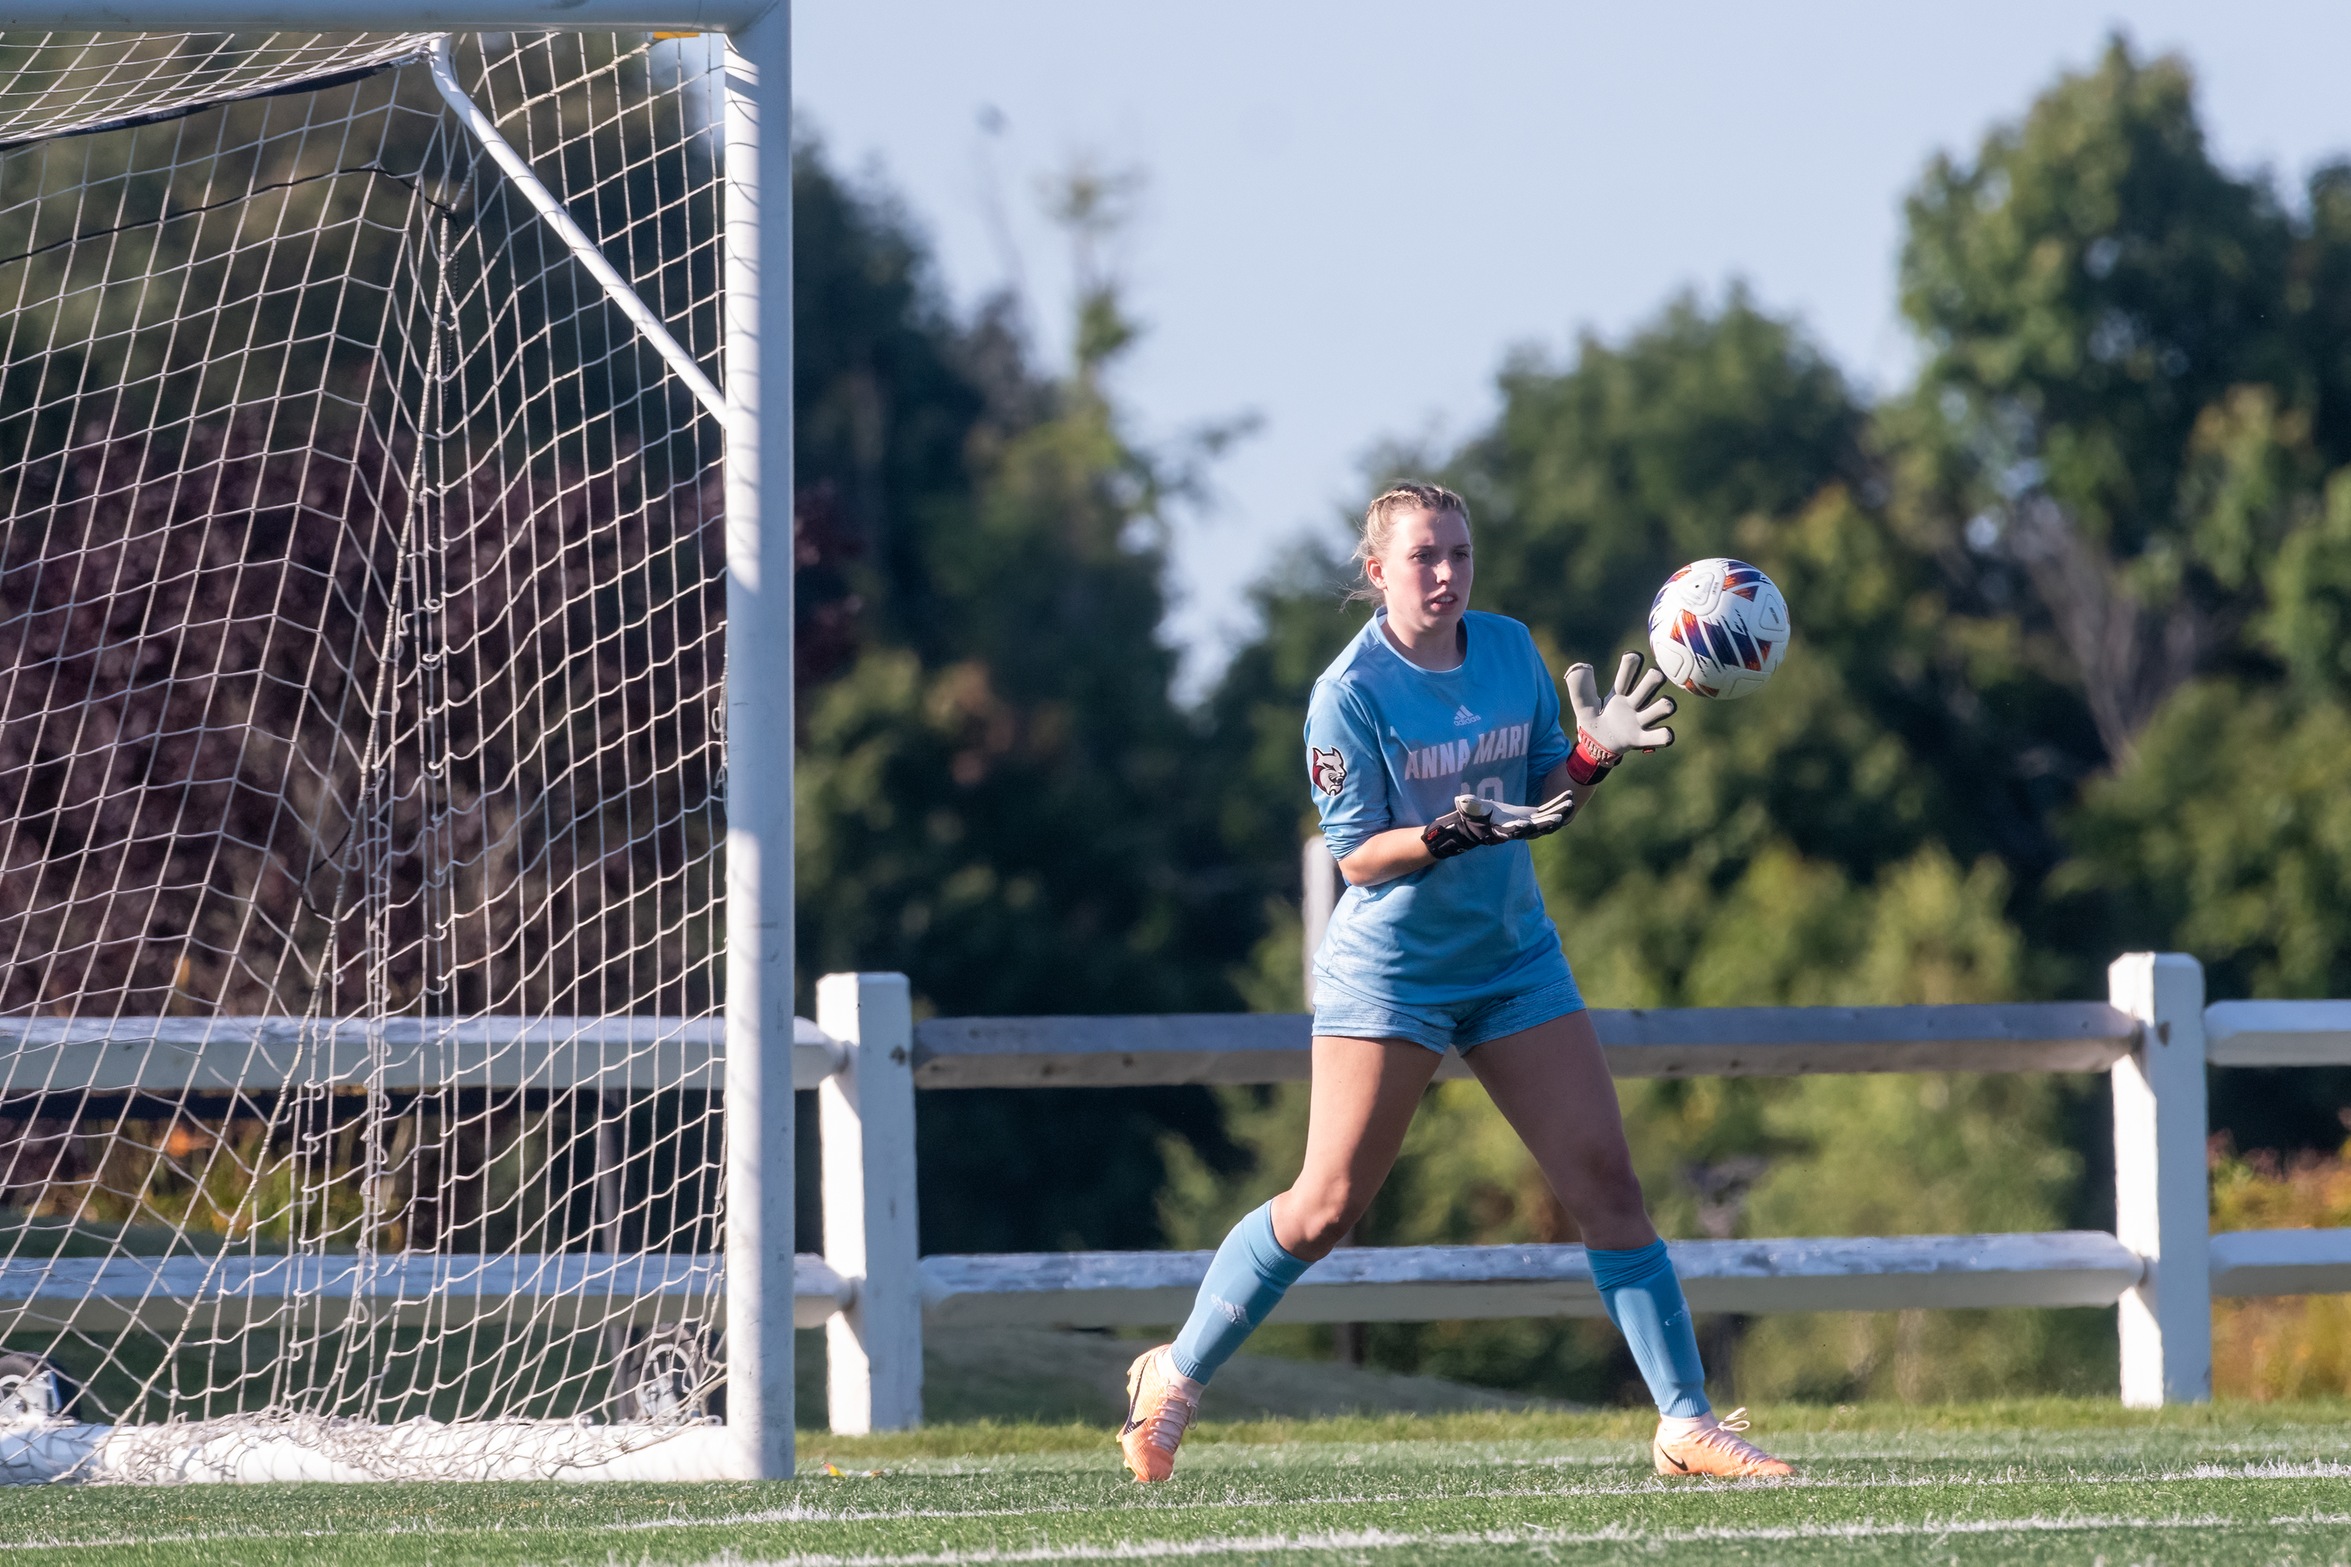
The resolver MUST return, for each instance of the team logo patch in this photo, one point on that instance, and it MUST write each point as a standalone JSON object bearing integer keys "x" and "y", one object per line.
{"x": 1328, "y": 768}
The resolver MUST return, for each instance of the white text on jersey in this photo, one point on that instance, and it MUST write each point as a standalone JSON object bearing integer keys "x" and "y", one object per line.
{"x": 1448, "y": 759}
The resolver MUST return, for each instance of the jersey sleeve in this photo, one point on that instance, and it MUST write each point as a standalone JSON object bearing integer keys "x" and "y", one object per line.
{"x": 1549, "y": 744}
{"x": 1345, "y": 770}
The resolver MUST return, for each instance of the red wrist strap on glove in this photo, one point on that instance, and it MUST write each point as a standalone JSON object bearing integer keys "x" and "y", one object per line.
{"x": 1590, "y": 761}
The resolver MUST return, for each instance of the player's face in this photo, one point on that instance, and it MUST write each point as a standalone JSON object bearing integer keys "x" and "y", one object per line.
{"x": 1425, "y": 571}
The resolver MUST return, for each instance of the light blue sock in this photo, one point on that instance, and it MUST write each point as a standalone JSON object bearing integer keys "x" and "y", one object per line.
{"x": 1644, "y": 1300}
{"x": 1247, "y": 1279}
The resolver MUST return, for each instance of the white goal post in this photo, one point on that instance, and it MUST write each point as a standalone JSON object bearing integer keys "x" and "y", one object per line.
{"x": 536, "y": 403}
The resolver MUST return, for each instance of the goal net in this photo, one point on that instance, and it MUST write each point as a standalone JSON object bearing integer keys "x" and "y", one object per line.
{"x": 360, "y": 670}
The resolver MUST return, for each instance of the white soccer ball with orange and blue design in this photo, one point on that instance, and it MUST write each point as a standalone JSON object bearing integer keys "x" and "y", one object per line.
{"x": 1719, "y": 628}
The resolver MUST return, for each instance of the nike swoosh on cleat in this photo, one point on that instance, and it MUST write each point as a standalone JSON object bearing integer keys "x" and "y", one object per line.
{"x": 1669, "y": 1458}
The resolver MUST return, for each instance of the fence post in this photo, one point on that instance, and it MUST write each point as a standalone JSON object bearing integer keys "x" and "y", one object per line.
{"x": 2162, "y": 1206}
{"x": 865, "y": 1126}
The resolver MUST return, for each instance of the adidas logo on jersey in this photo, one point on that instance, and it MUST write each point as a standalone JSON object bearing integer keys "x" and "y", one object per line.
{"x": 1463, "y": 718}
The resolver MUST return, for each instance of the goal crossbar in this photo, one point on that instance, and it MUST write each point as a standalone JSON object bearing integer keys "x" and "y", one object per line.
{"x": 329, "y": 16}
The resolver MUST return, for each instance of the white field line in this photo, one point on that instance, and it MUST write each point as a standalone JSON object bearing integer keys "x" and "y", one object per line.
{"x": 1386, "y": 1540}
{"x": 806, "y": 1512}
{"x": 1858, "y": 1453}
{"x": 1147, "y": 1506}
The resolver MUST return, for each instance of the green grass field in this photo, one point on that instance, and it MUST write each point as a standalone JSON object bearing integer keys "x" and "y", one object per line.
{"x": 2071, "y": 1482}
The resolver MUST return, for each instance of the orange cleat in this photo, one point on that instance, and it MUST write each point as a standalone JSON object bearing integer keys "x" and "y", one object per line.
{"x": 1161, "y": 1402}
{"x": 1714, "y": 1447}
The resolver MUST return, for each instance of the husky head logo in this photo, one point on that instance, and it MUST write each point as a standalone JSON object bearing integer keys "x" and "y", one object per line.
{"x": 1328, "y": 768}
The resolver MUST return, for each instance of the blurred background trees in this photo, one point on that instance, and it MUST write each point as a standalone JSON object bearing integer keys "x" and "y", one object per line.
{"x": 2070, "y": 678}
{"x": 998, "y": 792}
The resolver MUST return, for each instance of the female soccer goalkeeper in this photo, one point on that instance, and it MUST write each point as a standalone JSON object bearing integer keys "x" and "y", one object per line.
{"x": 1425, "y": 742}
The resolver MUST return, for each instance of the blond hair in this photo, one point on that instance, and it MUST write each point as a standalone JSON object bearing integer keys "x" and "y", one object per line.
{"x": 1379, "y": 526}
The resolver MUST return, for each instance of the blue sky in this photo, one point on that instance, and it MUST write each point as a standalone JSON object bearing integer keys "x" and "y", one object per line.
{"x": 1352, "y": 212}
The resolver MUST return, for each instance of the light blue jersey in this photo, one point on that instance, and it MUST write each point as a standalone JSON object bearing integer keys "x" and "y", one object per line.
{"x": 1389, "y": 744}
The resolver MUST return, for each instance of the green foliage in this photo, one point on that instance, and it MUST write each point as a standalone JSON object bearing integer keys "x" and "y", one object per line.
{"x": 2069, "y": 676}
{"x": 2135, "y": 380}
{"x": 2307, "y": 622}
{"x": 1253, "y": 721}
{"x": 1891, "y": 1155}
{"x": 1839, "y": 839}
{"x": 2066, "y": 679}
{"x": 997, "y": 793}
{"x": 1748, "y": 843}
{"x": 2091, "y": 282}
{"x": 2229, "y": 836}
{"x": 1599, "y": 478}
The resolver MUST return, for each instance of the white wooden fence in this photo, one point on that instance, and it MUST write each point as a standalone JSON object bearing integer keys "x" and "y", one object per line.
{"x": 866, "y": 1057}
{"x": 2153, "y": 1035}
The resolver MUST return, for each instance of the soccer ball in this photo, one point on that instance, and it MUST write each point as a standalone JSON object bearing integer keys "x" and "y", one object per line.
{"x": 1719, "y": 628}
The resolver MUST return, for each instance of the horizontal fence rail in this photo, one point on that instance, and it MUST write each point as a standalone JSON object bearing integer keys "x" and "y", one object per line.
{"x": 2278, "y": 1033}
{"x": 639, "y": 1054}
{"x": 2153, "y": 1035}
{"x": 1086, "y": 1052}
{"x": 556, "y": 1289}
{"x": 1455, "y": 1283}
{"x": 2281, "y": 1262}
{"x": 865, "y": 1057}
{"x": 175, "y": 1055}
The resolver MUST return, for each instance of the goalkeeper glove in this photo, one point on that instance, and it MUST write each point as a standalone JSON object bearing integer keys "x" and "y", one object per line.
{"x": 1474, "y": 823}
{"x": 1627, "y": 721}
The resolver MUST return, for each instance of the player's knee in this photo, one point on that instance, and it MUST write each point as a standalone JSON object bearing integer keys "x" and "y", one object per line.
{"x": 1610, "y": 1188}
{"x": 1322, "y": 1214}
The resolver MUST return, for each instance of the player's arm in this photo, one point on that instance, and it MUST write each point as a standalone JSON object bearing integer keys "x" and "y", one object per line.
{"x": 1351, "y": 792}
{"x": 1473, "y": 823}
{"x": 1470, "y": 823}
{"x": 1384, "y": 856}
{"x": 1630, "y": 718}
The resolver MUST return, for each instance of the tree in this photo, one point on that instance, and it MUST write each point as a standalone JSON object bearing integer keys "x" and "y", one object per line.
{"x": 2069, "y": 677}
{"x": 1848, "y": 836}
{"x": 998, "y": 793}
{"x": 1602, "y": 475}
{"x": 2113, "y": 321}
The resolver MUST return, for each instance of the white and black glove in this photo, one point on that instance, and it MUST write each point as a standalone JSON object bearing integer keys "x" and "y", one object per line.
{"x": 1475, "y": 822}
{"x": 1627, "y": 721}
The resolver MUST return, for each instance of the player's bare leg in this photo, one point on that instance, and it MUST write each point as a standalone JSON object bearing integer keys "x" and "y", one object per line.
{"x": 1551, "y": 1082}
{"x": 1362, "y": 1101}
{"x": 1363, "y": 1096}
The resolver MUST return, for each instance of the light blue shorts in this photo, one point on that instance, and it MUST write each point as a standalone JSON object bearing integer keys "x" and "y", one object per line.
{"x": 1352, "y": 1015}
